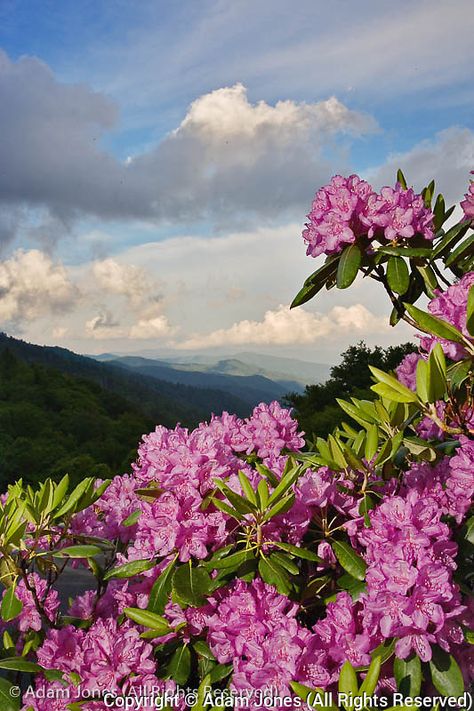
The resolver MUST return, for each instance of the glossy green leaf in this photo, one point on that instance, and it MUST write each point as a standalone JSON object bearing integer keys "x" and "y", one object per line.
{"x": 434, "y": 325}
{"x": 128, "y": 570}
{"x": 401, "y": 179}
{"x": 8, "y": 700}
{"x": 77, "y": 552}
{"x": 191, "y": 584}
{"x": 299, "y": 552}
{"x": 179, "y": 666}
{"x": 348, "y": 684}
{"x": 371, "y": 679}
{"x": 247, "y": 487}
{"x": 349, "y": 559}
{"x": 348, "y": 267}
{"x": 389, "y": 393}
{"x": 148, "y": 619}
{"x": 11, "y": 606}
{"x": 19, "y": 664}
{"x": 398, "y": 276}
{"x": 316, "y": 281}
{"x": 408, "y": 675}
{"x": 132, "y": 519}
{"x": 273, "y": 574}
{"x": 161, "y": 589}
{"x": 445, "y": 673}
{"x": 203, "y": 649}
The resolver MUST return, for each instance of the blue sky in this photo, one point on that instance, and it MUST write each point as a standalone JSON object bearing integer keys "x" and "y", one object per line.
{"x": 159, "y": 157}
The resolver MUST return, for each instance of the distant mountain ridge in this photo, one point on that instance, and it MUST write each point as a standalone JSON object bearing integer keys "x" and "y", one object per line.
{"x": 165, "y": 402}
{"x": 247, "y": 380}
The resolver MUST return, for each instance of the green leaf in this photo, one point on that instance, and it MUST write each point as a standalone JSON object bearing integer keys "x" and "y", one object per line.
{"x": 470, "y": 311}
{"x": 242, "y": 505}
{"x": 11, "y": 606}
{"x": 348, "y": 267}
{"x": 132, "y": 519}
{"x": 73, "y": 498}
{"x": 161, "y": 589}
{"x": 408, "y": 675}
{"x": 371, "y": 442}
{"x": 445, "y": 245}
{"x": 220, "y": 672}
{"x": 429, "y": 278}
{"x": 202, "y": 648}
{"x": 389, "y": 393}
{"x": 148, "y": 619}
{"x": 232, "y": 561}
{"x": 19, "y": 664}
{"x": 128, "y": 570}
{"x": 460, "y": 252}
{"x": 445, "y": 673}
{"x": 423, "y": 381}
{"x": 299, "y": 552}
{"x": 439, "y": 210}
{"x": 393, "y": 384}
{"x": 281, "y": 507}
{"x": 434, "y": 325}
{"x": 458, "y": 373}
{"x": 372, "y": 677}
{"x": 273, "y": 574}
{"x": 348, "y": 684}
{"x": 191, "y": 584}
{"x": 406, "y": 251}
{"x": 398, "y": 276}
{"x": 263, "y": 494}
{"x": 222, "y": 506}
{"x": 401, "y": 179}
{"x": 60, "y": 491}
{"x": 353, "y": 586}
{"x": 286, "y": 482}
{"x": 8, "y": 701}
{"x": 179, "y": 666}
{"x": 77, "y": 552}
{"x": 349, "y": 559}
{"x": 286, "y": 562}
{"x": 316, "y": 281}
{"x": 247, "y": 487}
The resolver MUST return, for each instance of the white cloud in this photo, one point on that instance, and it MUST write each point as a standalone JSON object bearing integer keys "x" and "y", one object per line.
{"x": 297, "y": 327}
{"x": 228, "y": 158}
{"x": 448, "y": 158}
{"x": 125, "y": 280}
{"x": 32, "y": 285}
{"x": 151, "y": 328}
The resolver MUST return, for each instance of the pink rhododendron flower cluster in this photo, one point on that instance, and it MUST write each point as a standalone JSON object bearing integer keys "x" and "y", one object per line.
{"x": 468, "y": 203}
{"x": 348, "y": 208}
{"x": 255, "y": 628}
{"x": 106, "y": 657}
{"x": 410, "y": 590}
{"x": 29, "y": 617}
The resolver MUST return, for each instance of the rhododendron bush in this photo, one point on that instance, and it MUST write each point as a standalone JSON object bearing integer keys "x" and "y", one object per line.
{"x": 231, "y": 559}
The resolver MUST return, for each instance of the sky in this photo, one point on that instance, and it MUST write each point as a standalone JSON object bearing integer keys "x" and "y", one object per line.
{"x": 158, "y": 159}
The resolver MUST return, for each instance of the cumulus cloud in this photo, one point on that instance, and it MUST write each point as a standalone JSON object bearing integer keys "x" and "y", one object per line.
{"x": 33, "y": 285}
{"x": 228, "y": 157}
{"x": 297, "y": 327}
{"x": 125, "y": 280}
{"x": 427, "y": 160}
{"x": 150, "y": 328}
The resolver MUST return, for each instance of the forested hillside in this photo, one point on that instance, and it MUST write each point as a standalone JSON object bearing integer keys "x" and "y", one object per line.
{"x": 317, "y": 410}
{"x": 52, "y": 423}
